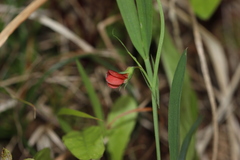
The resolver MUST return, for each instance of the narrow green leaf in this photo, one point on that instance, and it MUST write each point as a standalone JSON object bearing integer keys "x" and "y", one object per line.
{"x": 204, "y": 9}
{"x": 119, "y": 134}
{"x": 91, "y": 93}
{"x": 130, "y": 17}
{"x": 189, "y": 107}
{"x": 145, "y": 14}
{"x": 159, "y": 50}
{"x": 87, "y": 144}
{"x": 154, "y": 79}
{"x": 6, "y": 154}
{"x": 174, "y": 107}
{"x": 187, "y": 140}
{"x": 71, "y": 112}
{"x": 43, "y": 154}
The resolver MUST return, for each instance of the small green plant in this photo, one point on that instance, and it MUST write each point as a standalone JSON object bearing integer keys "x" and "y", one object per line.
{"x": 138, "y": 21}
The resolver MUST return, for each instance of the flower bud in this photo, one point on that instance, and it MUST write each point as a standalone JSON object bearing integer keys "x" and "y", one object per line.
{"x": 117, "y": 79}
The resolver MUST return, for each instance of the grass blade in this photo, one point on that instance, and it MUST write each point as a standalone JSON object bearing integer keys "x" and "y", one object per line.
{"x": 72, "y": 112}
{"x": 189, "y": 105}
{"x": 130, "y": 17}
{"x": 91, "y": 93}
{"x": 174, "y": 107}
{"x": 145, "y": 14}
{"x": 187, "y": 140}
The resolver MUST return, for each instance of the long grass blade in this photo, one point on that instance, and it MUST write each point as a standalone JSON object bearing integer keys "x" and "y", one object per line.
{"x": 159, "y": 50}
{"x": 145, "y": 14}
{"x": 174, "y": 107}
{"x": 187, "y": 140}
{"x": 189, "y": 107}
{"x": 130, "y": 17}
{"x": 72, "y": 112}
{"x": 91, "y": 92}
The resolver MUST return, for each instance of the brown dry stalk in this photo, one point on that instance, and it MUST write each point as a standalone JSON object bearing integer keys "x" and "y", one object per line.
{"x": 204, "y": 68}
{"x": 176, "y": 28}
{"x": 8, "y": 30}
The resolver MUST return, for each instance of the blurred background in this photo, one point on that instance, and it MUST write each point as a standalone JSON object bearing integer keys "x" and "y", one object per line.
{"x": 38, "y": 70}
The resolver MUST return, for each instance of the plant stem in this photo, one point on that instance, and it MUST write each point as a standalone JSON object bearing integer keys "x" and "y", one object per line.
{"x": 154, "y": 107}
{"x": 156, "y": 128}
{"x": 154, "y": 79}
{"x": 161, "y": 38}
{"x": 139, "y": 65}
{"x": 148, "y": 68}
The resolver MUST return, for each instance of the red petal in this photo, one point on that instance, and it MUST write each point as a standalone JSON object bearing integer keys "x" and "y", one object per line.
{"x": 116, "y": 74}
{"x": 114, "y": 80}
{"x": 113, "y": 86}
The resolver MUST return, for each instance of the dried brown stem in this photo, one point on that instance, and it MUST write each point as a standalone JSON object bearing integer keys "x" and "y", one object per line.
{"x": 8, "y": 30}
{"x": 204, "y": 68}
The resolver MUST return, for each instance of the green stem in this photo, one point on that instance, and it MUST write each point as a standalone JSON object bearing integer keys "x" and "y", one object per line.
{"x": 141, "y": 68}
{"x": 154, "y": 80}
{"x": 156, "y": 129}
{"x": 154, "y": 106}
{"x": 148, "y": 68}
{"x": 139, "y": 65}
{"x": 161, "y": 38}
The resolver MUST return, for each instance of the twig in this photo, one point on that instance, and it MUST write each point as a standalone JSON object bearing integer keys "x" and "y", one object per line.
{"x": 61, "y": 29}
{"x": 106, "y": 39}
{"x": 176, "y": 30}
{"x": 234, "y": 148}
{"x": 55, "y": 26}
{"x": 223, "y": 108}
{"x": 8, "y": 30}
{"x": 101, "y": 28}
{"x": 199, "y": 45}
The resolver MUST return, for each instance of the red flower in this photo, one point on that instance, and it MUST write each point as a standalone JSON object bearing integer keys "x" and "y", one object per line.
{"x": 115, "y": 79}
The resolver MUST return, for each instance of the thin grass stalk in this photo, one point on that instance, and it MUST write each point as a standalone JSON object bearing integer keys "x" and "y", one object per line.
{"x": 148, "y": 66}
{"x": 155, "y": 108}
{"x": 156, "y": 128}
{"x": 91, "y": 93}
{"x": 207, "y": 80}
{"x": 149, "y": 69}
{"x": 160, "y": 43}
{"x": 154, "y": 78}
{"x": 8, "y": 30}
